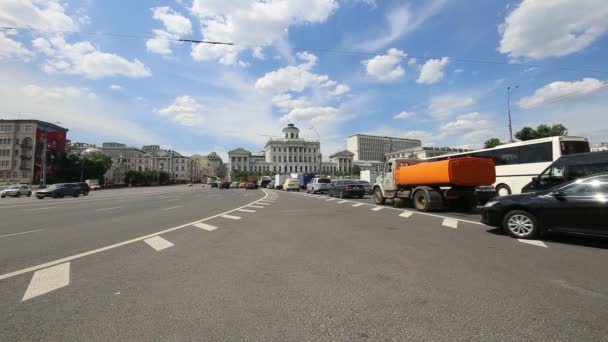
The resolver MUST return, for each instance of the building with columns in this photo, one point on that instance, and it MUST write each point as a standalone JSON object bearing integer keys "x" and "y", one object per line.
{"x": 343, "y": 161}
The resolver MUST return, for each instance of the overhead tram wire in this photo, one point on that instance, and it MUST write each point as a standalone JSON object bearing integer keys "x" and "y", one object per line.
{"x": 299, "y": 48}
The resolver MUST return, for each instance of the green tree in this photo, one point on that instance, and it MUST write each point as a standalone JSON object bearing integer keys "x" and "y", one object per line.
{"x": 492, "y": 143}
{"x": 542, "y": 131}
{"x": 356, "y": 170}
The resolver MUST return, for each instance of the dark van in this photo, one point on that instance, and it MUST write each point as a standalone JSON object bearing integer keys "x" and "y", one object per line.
{"x": 567, "y": 168}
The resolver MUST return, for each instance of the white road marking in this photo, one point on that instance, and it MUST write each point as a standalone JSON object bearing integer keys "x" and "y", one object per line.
{"x": 533, "y": 242}
{"x": 343, "y": 201}
{"x": 256, "y": 206}
{"x": 45, "y": 208}
{"x": 231, "y": 217}
{"x": 378, "y": 208}
{"x": 330, "y": 199}
{"x": 27, "y": 232}
{"x": 246, "y": 210}
{"x": 158, "y": 243}
{"x": 104, "y": 209}
{"x": 358, "y": 204}
{"x": 116, "y": 245}
{"x": 448, "y": 222}
{"x": 171, "y": 208}
{"x": 47, "y": 280}
{"x": 263, "y": 203}
{"x": 406, "y": 214}
{"x": 204, "y": 226}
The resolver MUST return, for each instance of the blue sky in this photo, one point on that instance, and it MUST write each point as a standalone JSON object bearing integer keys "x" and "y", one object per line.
{"x": 399, "y": 68}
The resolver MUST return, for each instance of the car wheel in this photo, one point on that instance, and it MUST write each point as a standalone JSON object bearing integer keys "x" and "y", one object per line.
{"x": 40, "y": 197}
{"x": 378, "y": 198}
{"x": 18, "y": 194}
{"x": 3, "y": 196}
{"x": 421, "y": 200}
{"x": 29, "y": 194}
{"x": 521, "y": 224}
{"x": 503, "y": 190}
{"x": 360, "y": 196}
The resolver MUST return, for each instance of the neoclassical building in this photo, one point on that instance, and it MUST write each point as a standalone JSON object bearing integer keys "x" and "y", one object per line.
{"x": 289, "y": 154}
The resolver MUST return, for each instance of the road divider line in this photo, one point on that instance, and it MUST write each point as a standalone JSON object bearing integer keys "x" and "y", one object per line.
{"x": 407, "y": 214}
{"x": 533, "y": 242}
{"x": 104, "y": 209}
{"x": 47, "y": 280}
{"x": 358, "y": 204}
{"x": 116, "y": 245}
{"x": 158, "y": 243}
{"x": 246, "y": 210}
{"x": 171, "y": 208}
{"x": 45, "y": 208}
{"x": 378, "y": 208}
{"x": 20, "y": 233}
{"x": 205, "y": 226}
{"x": 231, "y": 217}
{"x": 448, "y": 222}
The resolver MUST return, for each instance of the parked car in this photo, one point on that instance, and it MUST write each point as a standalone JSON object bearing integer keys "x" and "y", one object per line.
{"x": 264, "y": 183}
{"x": 59, "y": 190}
{"x": 579, "y": 207}
{"x": 16, "y": 191}
{"x": 214, "y": 185}
{"x": 242, "y": 185}
{"x": 95, "y": 186}
{"x": 366, "y": 186}
{"x": 251, "y": 186}
{"x": 234, "y": 185}
{"x": 346, "y": 188}
{"x": 317, "y": 185}
{"x": 568, "y": 168}
{"x": 291, "y": 184}
{"x": 225, "y": 185}
{"x": 270, "y": 185}
{"x": 84, "y": 188}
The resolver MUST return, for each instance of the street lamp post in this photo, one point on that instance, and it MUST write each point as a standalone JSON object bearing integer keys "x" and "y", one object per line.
{"x": 509, "y": 93}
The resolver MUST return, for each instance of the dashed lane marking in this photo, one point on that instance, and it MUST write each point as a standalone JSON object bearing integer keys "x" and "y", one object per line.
{"x": 256, "y": 206}
{"x": 246, "y": 210}
{"x": 45, "y": 208}
{"x": 533, "y": 242}
{"x": 377, "y": 208}
{"x": 231, "y": 217}
{"x": 452, "y": 223}
{"x": 358, "y": 204}
{"x": 47, "y": 280}
{"x": 330, "y": 199}
{"x": 158, "y": 243}
{"x": 205, "y": 226}
{"x": 104, "y": 209}
{"x": 406, "y": 214}
{"x": 343, "y": 201}
{"x": 171, "y": 208}
{"x": 20, "y": 233}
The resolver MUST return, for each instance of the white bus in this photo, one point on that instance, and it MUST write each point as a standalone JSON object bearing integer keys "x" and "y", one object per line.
{"x": 516, "y": 163}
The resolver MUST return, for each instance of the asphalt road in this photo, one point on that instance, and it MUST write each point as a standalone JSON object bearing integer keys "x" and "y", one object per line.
{"x": 237, "y": 265}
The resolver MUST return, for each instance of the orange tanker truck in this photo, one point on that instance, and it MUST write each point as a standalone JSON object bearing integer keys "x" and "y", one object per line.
{"x": 434, "y": 185}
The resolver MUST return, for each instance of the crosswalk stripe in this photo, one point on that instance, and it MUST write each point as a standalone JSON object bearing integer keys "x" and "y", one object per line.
{"x": 262, "y": 203}
{"x": 231, "y": 217}
{"x": 204, "y": 226}
{"x": 376, "y": 208}
{"x": 450, "y": 223}
{"x": 47, "y": 280}
{"x": 158, "y": 243}
{"x": 247, "y": 210}
{"x": 406, "y": 214}
{"x": 358, "y": 204}
{"x": 533, "y": 242}
{"x": 343, "y": 202}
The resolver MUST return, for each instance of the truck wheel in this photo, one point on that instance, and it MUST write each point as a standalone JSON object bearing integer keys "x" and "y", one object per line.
{"x": 378, "y": 198}
{"x": 421, "y": 201}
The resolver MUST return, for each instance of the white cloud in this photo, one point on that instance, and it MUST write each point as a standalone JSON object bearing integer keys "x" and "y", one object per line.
{"x": 404, "y": 115}
{"x": 386, "y": 67}
{"x": 401, "y": 20}
{"x": 251, "y": 22}
{"x": 176, "y": 26}
{"x": 83, "y": 59}
{"x": 286, "y": 101}
{"x": 341, "y": 89}
{"x": 314, "y": 114}
{"x": 185, "y": 111}
{"x": 92, "y": 96}
{"x": 12, "y": 49}
{"x": 443, "y": 106}
{"x": 560, "y": 88}
{"x": 115, "y": 87}
{"x": 432, "y": 70}
{"x": 539, "y": 29}
{"x": 464, "y": 123}
{"x": 46, "y": 15}
{"x": 458, "y": 71}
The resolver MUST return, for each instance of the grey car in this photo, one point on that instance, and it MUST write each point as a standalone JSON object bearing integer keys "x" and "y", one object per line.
{"x": 16, "y": 191}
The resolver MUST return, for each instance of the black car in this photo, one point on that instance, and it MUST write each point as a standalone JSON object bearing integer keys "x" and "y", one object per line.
{"x": 579, "y": 207}
{"x": 568, "y": 168}
{"x": 59, "y": 190}
{"x": 84, "y": 188}
{"x": 346, "y": 188}
{"x": 225, "y": 185}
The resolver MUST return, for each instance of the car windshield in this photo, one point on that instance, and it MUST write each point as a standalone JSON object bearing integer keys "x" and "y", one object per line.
{"x": 324, "y": 180}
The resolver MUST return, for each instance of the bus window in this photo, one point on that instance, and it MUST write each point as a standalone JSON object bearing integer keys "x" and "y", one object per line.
{"x": 536, "y": 153}
{"x": 572, "y": 147}
{"x": 506, "y": 156}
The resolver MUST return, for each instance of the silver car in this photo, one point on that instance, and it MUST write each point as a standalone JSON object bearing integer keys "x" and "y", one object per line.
{"x": 318, "y": 185}
{"x": 16, "y": 191}
{"x": 366, "y": 186}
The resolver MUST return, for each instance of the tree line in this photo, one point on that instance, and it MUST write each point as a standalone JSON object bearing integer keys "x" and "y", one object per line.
{"x": 529, "y": 133}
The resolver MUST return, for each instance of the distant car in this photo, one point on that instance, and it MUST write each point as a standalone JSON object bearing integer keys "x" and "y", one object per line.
{"x": 366, "y": 186}
{"x": 346, "y": 188}
{"x": 264, "y": 183}
{"x": 318, "y": 185}
{"x": 291, "y": 184}
{"x": 214, "y": 185}
{"x": 577, "y": 207}
{"x": 59, "y": 190}
{"x": 251, "y": 186}
{"x": 234, "y": 185}
{"x": 94, "y": 186}
{"x": 242, "y": 185}
{"x": 225, "y": 185}
{"x": 84, "y": 188}
{"x": 270, "y": 185}
{"x": 16, "y": 191}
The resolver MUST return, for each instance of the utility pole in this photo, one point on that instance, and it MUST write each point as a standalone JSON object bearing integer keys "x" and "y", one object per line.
{"x": 509, "y": 93}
